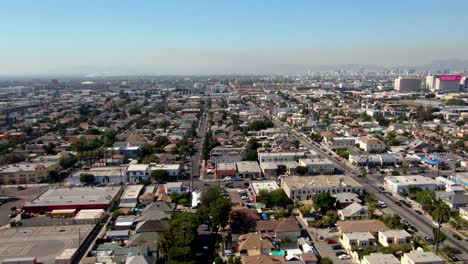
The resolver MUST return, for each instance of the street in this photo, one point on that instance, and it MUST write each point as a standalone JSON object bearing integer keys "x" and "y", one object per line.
{"x": 424, "y": 224}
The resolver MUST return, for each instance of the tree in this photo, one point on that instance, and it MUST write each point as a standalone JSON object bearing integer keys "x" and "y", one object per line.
{"x": 250, "y": 155}
{"x": 87, "y": 178}
{"x": 53, "y": 176}
{"x": 160, "y": 175}
{"x": 426, "y": 198}
{"x": 440, "y": 214}
{"x": 343, "y": 153}
{"x": 219, "y": 212}
{"x": 323, "y": 201}
{"x": 393, "y": 222}
{"x": 371, "y": 203}
{"x": 301, "y": 170}
{"x": 68, "y": 162}
{"x": 273, "y": 198}
{"x": 362, "y": 173}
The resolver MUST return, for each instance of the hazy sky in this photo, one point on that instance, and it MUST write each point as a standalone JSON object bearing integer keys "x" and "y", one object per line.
{"x": 179, "y": 37}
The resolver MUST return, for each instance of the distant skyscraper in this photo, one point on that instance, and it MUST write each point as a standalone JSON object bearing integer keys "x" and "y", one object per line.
{"x": 407, "y": 84}
{"x": 443, "y": 83}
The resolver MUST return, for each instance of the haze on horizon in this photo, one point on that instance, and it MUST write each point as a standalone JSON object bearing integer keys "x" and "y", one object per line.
{"x": 225, "y": 37}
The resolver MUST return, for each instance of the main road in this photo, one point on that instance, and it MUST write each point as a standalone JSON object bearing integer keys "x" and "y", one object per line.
{"x": 424, "y": 224}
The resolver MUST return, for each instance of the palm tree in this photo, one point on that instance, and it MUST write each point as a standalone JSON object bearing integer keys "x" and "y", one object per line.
{"x": 440, "y": 215}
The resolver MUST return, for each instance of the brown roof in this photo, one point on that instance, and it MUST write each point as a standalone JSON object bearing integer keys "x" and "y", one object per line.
{"x": 280, "y": 225}
{"x": 309, "y": 257}
{"x": 263, "y": 259}
{"x": 254, "y": 241}
{"x": 372, "y": 226}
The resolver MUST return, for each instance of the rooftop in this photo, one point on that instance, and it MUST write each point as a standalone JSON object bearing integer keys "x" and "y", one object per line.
{"x": 266, "y": 185}
{"x": 411, "y": 180}
{"x": 420, "y": 256}
{"x": 320, "y": 181}
{"x": 380, "y": 258}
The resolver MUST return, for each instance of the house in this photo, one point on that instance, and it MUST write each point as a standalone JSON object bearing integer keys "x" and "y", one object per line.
{"x": 130, "y": 196}
{"x": 173, "y": 170}
{"x": 340, "y": 142}
{"x": 279, "y": 156}
{"x": 158, "y": 226}
{"x": 157, "y": 211}
{"x": 421, "y": 257}
{"x": 280, "y": 228}
{"x": 454, "y": 200}
{"x": 354, "y": 240}
{"x": 173, "y": 187}
{"x": 394, "y": 237}
{"x": 138, "y": 172}
{"x": 253, "y": 244}
{"x": 380, "y": 258}
{"x": 344, "y": 199}
{"x": 371, "y": 226}
{"x": 371, "y": 144}
{"x": 353, "y": 211}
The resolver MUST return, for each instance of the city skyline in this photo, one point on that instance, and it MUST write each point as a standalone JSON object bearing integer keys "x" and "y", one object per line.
{"x": 108, "y": 38}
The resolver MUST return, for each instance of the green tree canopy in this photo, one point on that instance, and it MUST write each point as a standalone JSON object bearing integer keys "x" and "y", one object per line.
{"x": 87, "y": 178}
{"x": 323, "y": 201}
{"x": 160, "y": 175}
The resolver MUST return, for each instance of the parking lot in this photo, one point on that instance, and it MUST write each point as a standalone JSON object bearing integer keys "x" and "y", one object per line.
{"x": 45, "y": 243}
{"x": 19, "y": 197}
{"x": 326, "y": 250}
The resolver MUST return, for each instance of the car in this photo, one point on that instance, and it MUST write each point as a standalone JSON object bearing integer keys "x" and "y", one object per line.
{"x": 344, "y": 256}
{"x": 332, "y": 229}
{"x": 320, "y": 237}
{"x": 330, "y": 241}
{"x": 227, "y": 179}
{"x": 338, "y": 158}
{"x": 336, "y": 247}
{"x": 398, "y": 203}
{"x": 21, "y": 188}
{"x": 430, "y": 240}
{"x": 454, "y": 257}
{"x": 418, "y": 212}
{"x": 457, "y": 236}
{"x": 339, "y": 253}
{"x": 229, "y": 185}
{"x": 12, "y": 215}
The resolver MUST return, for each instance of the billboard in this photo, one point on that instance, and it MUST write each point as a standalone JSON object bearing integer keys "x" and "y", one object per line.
{"x": 450, "y": 77}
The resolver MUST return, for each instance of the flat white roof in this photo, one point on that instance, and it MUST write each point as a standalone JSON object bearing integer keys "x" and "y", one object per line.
{"x": 138, "y": 167}
{"x": 411, "y": 180}
{"x": 265, "y": 185}
{"x": 132, "y": 192}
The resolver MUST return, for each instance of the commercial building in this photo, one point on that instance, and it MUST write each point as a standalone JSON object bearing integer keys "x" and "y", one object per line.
{"x": 27, "y": 172}
{"x": 226, "y": 154}
{"x": 279, "y": 156}
{"x": 443, "y": 83}
{"x": 340, "y": 142}
{"x": 421, "y": 257}
{"x": 304, "y": 187}
{"x": 248, "y": 170}
{"x": 401, "y": 184}
{"x": 407, "y": 84}
{"x": 74, "y": 198}
{"x": 318, "y": 166}
{"x": 223, "y": 170}
{"x": 112, "y": 174}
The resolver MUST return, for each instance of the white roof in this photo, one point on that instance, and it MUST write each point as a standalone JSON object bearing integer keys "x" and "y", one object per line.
{"x": 420, "y": 256}
{"x": 132, "y": 192}
{"x": 266, "y": 185}
{"x": 138, "y": 167}
{"x": 411, "y": 180}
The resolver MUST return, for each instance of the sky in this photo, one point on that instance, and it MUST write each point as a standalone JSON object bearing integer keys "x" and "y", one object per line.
{"x": 224, "y": 37}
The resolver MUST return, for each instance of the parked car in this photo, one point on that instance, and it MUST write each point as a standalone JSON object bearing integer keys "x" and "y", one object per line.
{"x": 454, "y": 257}
{"x": 332, "y": 229}
{"x": 336, "y": 247}
{"x": 21, "y": 188}
{"x": 457, "y": 236}
{"x": 330, "y": 241}
{"x": 430, "y": 240}
{"x": 418, "y": 212}
{"x": 344, "y": 256}
{"x": 339, "y": 253}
